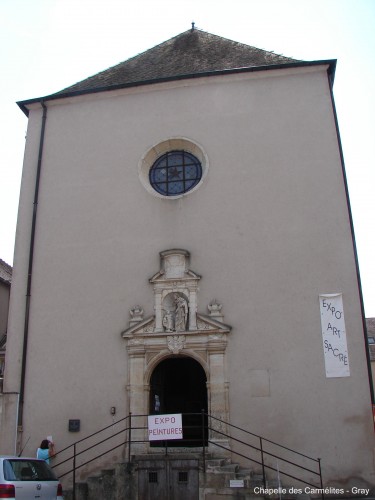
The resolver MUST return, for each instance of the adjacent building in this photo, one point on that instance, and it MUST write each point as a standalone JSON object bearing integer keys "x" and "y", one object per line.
{"x": 5, "y": 283}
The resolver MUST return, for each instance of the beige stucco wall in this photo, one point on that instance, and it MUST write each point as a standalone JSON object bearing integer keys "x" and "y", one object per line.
{"x": 268, "y": 231}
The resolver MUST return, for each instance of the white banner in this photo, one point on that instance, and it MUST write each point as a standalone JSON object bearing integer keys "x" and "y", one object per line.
{"x": 334, "y": 335}
{"x": 163, "y": 427}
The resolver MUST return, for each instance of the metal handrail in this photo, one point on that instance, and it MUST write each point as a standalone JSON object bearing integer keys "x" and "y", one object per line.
{"x": 268, "y": 453}
{"x": 263, "y": 438}
{"x": 263, "y": 452}
{"x": 91, "y": 435}
{"x": 207, "y": 429}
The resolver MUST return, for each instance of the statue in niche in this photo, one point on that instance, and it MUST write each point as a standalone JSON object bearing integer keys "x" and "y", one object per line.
{"x": 181, "y": 314}
{"x": 168, "y": 321}
{"x": 176, "y": 314}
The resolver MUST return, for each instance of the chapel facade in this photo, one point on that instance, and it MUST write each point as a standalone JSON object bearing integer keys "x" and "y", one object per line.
{"x": 185, "y": 246}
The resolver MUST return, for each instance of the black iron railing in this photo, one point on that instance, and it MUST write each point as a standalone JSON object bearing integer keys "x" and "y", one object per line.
{"x": 206, "y": 434}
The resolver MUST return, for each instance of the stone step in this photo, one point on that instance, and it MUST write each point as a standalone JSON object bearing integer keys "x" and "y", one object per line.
{"x": 234, "y": 468}
{"x": 224, "y": 469}
{"x": 81, "y": 492}
{"x": 212, "y": 463}
{"x": 244, "y": 473}
{"x": 111, "y": 484}
{"x": 102, "y": 486}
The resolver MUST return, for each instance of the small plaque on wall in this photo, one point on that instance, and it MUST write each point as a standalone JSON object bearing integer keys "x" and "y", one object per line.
{"x": 74, "y": 425}
{"x": 236, "y": 483}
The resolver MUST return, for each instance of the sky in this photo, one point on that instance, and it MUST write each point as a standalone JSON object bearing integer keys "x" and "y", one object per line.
{"x": 47, "y": 45}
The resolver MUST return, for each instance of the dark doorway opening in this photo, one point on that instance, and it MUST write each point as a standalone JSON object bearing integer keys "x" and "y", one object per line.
{"x": 178, "y": 385}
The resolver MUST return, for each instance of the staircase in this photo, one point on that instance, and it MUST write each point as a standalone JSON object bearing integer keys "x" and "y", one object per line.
{"x": 223, "y": 480}
{"x": 226, "y": 480}
{"x": 214, "y": 474}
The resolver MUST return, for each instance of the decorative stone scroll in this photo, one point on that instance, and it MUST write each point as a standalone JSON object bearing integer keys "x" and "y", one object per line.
{"x": 177, "y": 329}
{"x": 136, "y": 314}
{"x": 215, "y": 310}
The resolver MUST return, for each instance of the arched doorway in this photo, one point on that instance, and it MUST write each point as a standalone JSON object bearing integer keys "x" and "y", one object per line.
{"x": 179, "y": 385}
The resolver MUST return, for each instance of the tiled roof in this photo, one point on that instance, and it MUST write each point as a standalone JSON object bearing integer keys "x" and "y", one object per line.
{"x": 5, "y": 272}
{"x": 190, "y": 53}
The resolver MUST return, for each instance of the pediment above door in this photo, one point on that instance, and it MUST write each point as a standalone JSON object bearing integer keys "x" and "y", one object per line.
{"x": 204, "y": 324}
{"x": 176, "y": 303}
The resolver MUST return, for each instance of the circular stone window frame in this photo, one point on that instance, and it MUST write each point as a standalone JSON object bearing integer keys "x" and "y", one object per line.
{"x": 169, "y": 145}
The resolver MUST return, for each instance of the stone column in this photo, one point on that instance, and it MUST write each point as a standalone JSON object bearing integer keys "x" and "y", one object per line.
{"x": 193, "y": 310}
{"x": 218, "y": 391}
{"x": 158, "y": 311}
{"x": 137, "y": 397}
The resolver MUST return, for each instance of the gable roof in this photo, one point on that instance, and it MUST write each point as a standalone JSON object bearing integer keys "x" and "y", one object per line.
{"x": 191, "y": 54}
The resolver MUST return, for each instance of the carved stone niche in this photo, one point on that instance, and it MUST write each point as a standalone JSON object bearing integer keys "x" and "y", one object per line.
{"x": 175, "y": 329}
{"x": 175, "y": 293}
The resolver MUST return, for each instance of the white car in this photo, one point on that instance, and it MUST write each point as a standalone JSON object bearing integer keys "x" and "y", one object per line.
{"x": 28, "y": 479}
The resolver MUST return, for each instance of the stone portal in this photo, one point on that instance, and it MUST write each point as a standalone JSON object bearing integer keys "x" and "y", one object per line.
{"x": 178, "y": 333}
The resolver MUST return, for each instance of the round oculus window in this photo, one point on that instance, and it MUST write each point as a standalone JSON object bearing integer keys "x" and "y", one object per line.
{"x": 175, "y": 173}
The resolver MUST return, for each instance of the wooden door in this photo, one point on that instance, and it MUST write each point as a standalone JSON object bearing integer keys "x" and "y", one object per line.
{"x": 168, "y": 479}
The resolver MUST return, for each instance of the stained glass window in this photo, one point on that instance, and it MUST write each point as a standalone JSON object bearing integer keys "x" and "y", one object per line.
{"x": 175, "y": 173}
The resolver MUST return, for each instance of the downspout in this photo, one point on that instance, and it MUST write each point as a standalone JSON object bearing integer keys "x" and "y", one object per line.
{"x": 30, "y": 270}
{"x": 369, "y": 371}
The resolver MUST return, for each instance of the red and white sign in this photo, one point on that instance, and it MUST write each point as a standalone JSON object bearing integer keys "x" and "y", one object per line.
{"x": 163, "y": 427}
